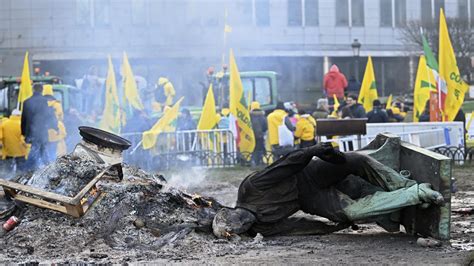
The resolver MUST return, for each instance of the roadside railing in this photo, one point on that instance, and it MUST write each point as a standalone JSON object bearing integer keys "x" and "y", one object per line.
{"x": 217, "y": 148}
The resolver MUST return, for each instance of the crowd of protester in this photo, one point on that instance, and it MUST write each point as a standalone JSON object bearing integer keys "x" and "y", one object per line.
{"x": 34, "y": 134}
{"x": 287, "y": 121}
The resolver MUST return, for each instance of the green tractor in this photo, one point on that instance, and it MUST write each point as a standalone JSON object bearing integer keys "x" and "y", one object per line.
{"x": 69, "y": 96}
{"x": 258, "y": 86}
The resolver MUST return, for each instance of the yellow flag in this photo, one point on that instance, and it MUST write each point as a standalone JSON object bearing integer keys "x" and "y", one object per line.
{"x": 424, "y": 83}
{"x": 208, "y": 118}
{"x": 130, "y": 85}
{"x": 368, "y": 89}
{"x": 26, "y": 90}
{"x": 112, "y": 114}
{"x": 238, "y": 108}
{"x": 388, "y": 105}
{"x": 336, "y": 105}
{"x": 449, "y": 73}
{"x": 227, "y": 28}
{"x": 149, "y": 136}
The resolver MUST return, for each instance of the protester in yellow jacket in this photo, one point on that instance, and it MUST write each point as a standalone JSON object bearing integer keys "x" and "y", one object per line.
{"x": 53, "y": 102}
{"x": 275, "y": 119}
{"x": 2, "y": 120}
{"x": 56, "y": 136}
{"x": 59, "y": 137}
{"x": 305, "y": 128}
{"x": 396, "y": 113}
{"x": 164, "y": 94}
{"x": 14, "y": 145}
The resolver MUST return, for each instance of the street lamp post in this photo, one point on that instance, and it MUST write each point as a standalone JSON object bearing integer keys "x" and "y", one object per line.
{"x": 355, "y": 51}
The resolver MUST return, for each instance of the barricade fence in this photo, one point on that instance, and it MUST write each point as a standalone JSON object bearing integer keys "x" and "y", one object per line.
{"x": 218, "y": 148}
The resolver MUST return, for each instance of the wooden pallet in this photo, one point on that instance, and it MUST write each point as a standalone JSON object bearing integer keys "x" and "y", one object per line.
{"x": 75, "y": 206}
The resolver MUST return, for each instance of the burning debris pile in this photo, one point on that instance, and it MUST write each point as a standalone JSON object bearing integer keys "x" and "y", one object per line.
{"x": 68, "y": 175}
{"x": 140, "y": 213}
{"x": 136, "y": 212}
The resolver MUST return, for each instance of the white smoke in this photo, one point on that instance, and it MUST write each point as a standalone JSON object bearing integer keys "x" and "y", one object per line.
{"x": 188, "y": 179}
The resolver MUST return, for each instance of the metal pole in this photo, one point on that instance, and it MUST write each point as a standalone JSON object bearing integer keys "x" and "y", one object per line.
{"x": 357, "y": 68}
{"x": 359, "y": 141}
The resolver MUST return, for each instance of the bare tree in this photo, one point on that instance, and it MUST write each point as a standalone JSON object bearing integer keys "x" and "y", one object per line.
{"x": 460, "y": 33}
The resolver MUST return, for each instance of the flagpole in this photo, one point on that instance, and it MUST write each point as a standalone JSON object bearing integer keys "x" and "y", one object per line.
{"x": 136, "y": 147}
{"x": 225, "y": 37}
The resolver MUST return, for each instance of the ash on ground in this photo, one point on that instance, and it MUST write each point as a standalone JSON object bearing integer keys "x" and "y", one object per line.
{"x": 141, "y": 216}
{"x": 68, "y": 174}
{"x": 145, "y": 219}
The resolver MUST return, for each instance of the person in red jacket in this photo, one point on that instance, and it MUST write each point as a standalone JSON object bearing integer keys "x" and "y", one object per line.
{"x": 334, "y": 84}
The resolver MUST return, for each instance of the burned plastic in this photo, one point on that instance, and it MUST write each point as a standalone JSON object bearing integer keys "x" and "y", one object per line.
{"x": 103, "y": 138}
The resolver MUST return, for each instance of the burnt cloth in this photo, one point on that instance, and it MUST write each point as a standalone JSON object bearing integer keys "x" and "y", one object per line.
{"x": 298, "y": 182}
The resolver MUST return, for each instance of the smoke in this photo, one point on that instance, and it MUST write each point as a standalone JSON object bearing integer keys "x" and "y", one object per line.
{"x": 188, "y": 179}
{"x": 219, "y": 184}
{"x": 177, "y": 39}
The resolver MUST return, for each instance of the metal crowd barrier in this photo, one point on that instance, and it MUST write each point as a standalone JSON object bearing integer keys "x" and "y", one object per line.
{"x": 217, "y": 148}
{"x": 205, "y": 148}
{"x": 428, "y": 139}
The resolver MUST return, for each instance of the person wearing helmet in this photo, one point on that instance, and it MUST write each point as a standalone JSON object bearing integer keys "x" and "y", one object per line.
{"x": 342, "y": 187}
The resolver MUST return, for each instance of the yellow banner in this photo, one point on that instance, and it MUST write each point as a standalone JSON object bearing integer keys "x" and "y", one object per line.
{"x": 336, "y": 105}
{"x": 26, "y": 90}
{"x": 208, "y": 119}
{"x": 388, "y": 104}
{"x": 130, "y": 85}
{"x": 424, "y": 83}
{"x": 238, "y": 108}
{"x": 149, "y": 137}
{"x": 111, "y": 117}
{"x": 449, "y": 73}
{"x": 368, "y": 89}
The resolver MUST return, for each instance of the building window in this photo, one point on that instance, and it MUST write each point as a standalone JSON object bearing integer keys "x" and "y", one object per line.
{"x": 262, "y": 12}
{"x": 400, "y": 12}
{"x": 303, "y": 13}
{"x": 386, "y": 13}
{"x": 295, "y": 13}
{"x": 83, "y": 12}
{"x": 357, "y": 9}
{"x": 471, "y": 9}
{"x": 241, "y": 12}
{"x": 430, "y": 10}
{"x": 350, "y": 13}
{"x": 139, "y": 12}
{"x": 466, "y": 10}
{"x": 463, "y": 9}
{"x": 342, "y": 12}
{"x": 311, "y": 12}
{"x": 437, "y": 5}
{"x": 101, "y": 12}
{"x": 92, "y": 12}
{"x": 213, "y": 12}
{"x": 426, "y": 12}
